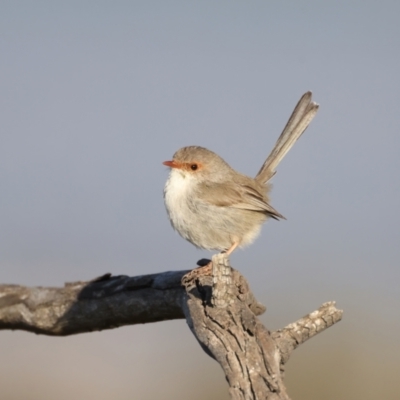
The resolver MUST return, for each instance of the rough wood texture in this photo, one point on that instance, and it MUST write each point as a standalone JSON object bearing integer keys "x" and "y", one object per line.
{"x": 215, "y": 300}
{"x": 252, "y": 358}
{"x": 104, "y": 303}
{"x": 296, "y": 333}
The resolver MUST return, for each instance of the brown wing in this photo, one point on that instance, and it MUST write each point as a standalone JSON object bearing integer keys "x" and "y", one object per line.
{"x": 235, "y": 195}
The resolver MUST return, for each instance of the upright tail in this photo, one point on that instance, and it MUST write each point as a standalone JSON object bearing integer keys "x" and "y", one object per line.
{"x": 301, "y": 117}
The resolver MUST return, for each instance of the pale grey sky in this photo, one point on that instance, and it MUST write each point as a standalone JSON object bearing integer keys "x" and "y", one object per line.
{"x": 95, "y": 95}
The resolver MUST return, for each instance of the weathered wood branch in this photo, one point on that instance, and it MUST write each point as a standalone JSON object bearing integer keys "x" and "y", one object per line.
{"x": 252, "y": 357}
{"x": 104, "y": 303}
{"x": 296, "y": 333}
{"x": 215, "y": 300}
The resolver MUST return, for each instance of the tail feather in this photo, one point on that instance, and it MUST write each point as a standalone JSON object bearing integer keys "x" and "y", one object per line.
{"x": 301, "y": 117}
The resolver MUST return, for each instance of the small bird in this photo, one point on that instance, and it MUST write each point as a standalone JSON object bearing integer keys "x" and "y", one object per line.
{"x": 216, "y": 208}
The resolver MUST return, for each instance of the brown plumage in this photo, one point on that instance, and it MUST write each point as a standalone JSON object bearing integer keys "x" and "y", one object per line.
{"x": 216, "y": 208}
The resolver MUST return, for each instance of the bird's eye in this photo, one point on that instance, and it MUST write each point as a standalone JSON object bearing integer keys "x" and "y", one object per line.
{"x": 193, "y": 167}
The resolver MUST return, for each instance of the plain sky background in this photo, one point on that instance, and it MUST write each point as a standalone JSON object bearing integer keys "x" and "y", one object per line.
{"x": 94, "y": 95}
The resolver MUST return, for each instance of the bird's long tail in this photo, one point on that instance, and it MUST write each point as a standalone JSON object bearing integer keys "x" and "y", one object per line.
{"x": 301, "y": 117}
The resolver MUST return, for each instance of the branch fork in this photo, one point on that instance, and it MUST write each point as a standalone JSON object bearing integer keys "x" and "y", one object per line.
{"x": 216, "y": 301}
{"x": 221, "y": 312}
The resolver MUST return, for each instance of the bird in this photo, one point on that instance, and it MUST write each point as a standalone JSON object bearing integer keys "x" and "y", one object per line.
{"x": 215, "y": 207}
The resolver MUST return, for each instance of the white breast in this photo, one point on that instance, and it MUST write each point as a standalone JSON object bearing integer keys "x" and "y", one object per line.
{"x": 176, "y": 192}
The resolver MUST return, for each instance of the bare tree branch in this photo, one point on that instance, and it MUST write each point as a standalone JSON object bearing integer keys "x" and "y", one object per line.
{"x": 229, "y": 332}
{"x": 104, "y": 303}
{"x": 216, "y": 301}
{"x": 252, "y": 357}
{"x": 296, "y": 333}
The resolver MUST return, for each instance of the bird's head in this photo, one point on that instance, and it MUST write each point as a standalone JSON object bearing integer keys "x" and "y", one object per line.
{"x": 199, "y": 163}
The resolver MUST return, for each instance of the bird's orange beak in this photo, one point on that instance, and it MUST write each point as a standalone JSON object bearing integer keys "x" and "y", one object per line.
{"x": 172, "y": 164}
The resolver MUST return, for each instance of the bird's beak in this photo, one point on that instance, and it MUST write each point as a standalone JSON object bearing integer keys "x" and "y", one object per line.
{"x": 172, "y": 164}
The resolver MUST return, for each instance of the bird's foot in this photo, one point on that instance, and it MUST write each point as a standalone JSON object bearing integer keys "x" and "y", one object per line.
{"x": 204, "y": 269}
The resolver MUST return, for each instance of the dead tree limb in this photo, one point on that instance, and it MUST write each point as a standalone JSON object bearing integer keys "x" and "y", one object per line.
{"x": 227, "y": 329}
{"x": 216, "y": 301}
{"x": 106, "y": 302}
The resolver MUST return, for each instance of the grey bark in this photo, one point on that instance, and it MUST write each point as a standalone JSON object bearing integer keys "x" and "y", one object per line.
{"x": 228, "y": 330}
{"x": 216, "y": 301}
{"x": 106, "y": 302}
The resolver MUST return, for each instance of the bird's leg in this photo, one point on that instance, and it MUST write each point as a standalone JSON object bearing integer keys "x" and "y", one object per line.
{"x": 232, "y": 248}
{"x": 205, "y": 265}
